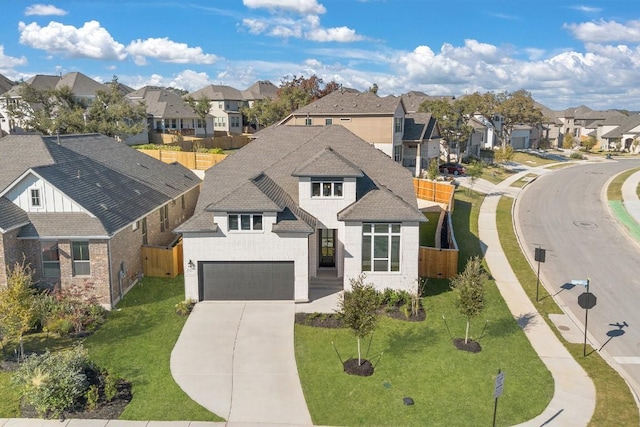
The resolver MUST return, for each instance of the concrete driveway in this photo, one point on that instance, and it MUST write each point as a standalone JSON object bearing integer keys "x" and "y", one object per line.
{"x": 237, "y": 360}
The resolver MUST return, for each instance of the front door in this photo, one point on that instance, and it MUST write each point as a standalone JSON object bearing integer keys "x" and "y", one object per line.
{"x": 327, "y": 248}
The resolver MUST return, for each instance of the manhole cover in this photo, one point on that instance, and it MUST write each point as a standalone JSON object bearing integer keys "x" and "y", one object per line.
{"x": 585, "y": 224}
{"x": 564, "y": 328}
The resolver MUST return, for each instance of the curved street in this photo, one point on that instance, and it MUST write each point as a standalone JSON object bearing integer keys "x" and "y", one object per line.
{"x": 566, "y": 212}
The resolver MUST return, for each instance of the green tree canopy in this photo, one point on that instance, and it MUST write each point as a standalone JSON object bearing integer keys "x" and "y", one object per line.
{"x": 452, "y": 121}
{"x": 201, "y": 107}
{"x": 469, "y": 287}
{"x": 358, "y": 307}
{"x": 294, "y": 93}
{"x": 17, "y": 304}
{"x": 516, "y": 108}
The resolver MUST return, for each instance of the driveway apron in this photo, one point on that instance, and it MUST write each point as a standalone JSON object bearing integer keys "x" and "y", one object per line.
{"x": 237, "y": 360}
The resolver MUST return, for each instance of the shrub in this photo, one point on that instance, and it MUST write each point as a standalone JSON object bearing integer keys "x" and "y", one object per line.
{"x": 577, "y": 156}
{"x": 52, "y": 382}
{"x": 60, "y": 308}
{"x": 183, "y": 308}
{"x": 110, "y": 386}
{"x": 61, "y": 326}
{"x": 93, "y": 397}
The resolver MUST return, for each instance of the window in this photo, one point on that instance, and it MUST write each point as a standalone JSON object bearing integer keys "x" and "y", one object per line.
{"x": 308, "y": 121}
{"x": 380, "y": 247}
{"x": 326, "y": 189}
{"x": 397, "y": 153}
{"x": 245, "y": 222}
{"x": 145, "y": 240}
{"x": 328, "y": 121}
{"x": 135, "y": 225}
{"x": 81, "y": 262}
{"x": 35, "y": 197}
{"x": 164, "y": 218}
{"x": 50, "y": 259}
{"x": 398, "y": 124}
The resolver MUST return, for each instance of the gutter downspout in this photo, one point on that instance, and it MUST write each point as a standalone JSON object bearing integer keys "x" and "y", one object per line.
{"x": 110, "y": 274}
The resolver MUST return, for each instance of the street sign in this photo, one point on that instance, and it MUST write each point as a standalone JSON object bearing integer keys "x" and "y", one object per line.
{"x": 587, "y": 300}
{"x": 497, "y": 392}
{"x": 539, "y": 254}
{"x": 580, "y": 282}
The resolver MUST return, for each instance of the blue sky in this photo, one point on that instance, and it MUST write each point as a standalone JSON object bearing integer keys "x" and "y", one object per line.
{"x": 565, "y": 53}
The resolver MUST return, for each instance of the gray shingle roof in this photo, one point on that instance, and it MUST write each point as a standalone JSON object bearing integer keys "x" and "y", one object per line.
{"x": 341, "y": 102}
{"x": 328, "y": 163}
{"x": 418, "y": 126}
{"x": 11, "y": 216}
{"x": 628, "y": 124}
{"x": 115, "y": 183}
{"x": 278, "y": 151}
{"x": 69, "y": 225}
{"x": 163, "y": 103}
{"x": 260, "y": 90}
{"x": 218, "y": 93}
{"x": 378, "y": 205}
{"x": 5, "y": 84}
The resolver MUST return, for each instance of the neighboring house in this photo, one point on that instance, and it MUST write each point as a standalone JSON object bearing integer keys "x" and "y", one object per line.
{"x": 167, "y": 112}
{"x": 382, "y": 122}
{"x": 297, "y": 203}
{"x": 82, "y": 87}
{"x": 226, "y": 103}
{"x": 622, "y": 137}
{"x": 5, "y": 85}
{"x": 78, "y": 208}
{"x": 262, "y": 89}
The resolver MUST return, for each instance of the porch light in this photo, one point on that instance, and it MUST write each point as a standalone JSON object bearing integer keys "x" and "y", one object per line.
{"x": 191, "y": 265}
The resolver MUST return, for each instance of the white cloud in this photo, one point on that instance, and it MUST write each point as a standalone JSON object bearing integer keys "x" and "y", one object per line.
{"x": 165, "y": 50}
{"x": 44, "y": 10}
{"x": 302, "y": 7}
{"x": 255, "y": 26}
{"x": 587, "y": 9}
{"x": 606, "y": 31}
{"x": 337, "y": 34}
{"x": 7, "y": 62}
{"x": 89, "y": 41}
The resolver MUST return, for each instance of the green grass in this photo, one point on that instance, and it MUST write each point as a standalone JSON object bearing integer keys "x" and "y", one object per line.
{"x": 428, "y": 229}
{"x": 524, "y": 180}
{"x": 614, "y": 399}
{"x": 531, "y": 159}
{"x": 418, "y": 360}
{"x": 135, "y": 343}
{"x": 614, "y": 190}
{"x": 495, "y": 174}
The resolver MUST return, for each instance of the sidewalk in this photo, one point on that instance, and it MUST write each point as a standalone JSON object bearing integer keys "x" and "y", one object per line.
{"x": 574, "y": 398}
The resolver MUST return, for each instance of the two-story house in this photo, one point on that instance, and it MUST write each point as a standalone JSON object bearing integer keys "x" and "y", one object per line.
{"x": 408, "y": 138}
{"x": 226, "y": 103}
{"x": 298, "y": 202}
{"x": 78, "y": 208}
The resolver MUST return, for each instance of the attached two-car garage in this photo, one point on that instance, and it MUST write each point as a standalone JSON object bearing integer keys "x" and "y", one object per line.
{"x": 246, "y": 280}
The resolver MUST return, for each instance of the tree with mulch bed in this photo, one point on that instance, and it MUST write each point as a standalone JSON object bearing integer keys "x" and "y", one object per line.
{"x": 358, "y": 309}
{"x": 469, "y": 287}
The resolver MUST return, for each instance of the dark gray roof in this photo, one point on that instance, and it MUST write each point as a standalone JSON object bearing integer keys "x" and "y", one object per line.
{"x": 113, "y": 182}
{"x": 68, "y": 225}
{"x": 39, "y": 81}
{"x": 161, "y": 102}
{"x": 11, "y": 216}
{"x": 80, "y": 84}
{"x": 5, "y": 84}
{"x": 418, "y": 126}
{"x": 380, "y": 205}
{"x": 218, "y": 93}
{"x": 260, "y": 90}
{"x": 271, "y": 160}
{"x": 328, "y": 163}
{"x": 341, "y": 102}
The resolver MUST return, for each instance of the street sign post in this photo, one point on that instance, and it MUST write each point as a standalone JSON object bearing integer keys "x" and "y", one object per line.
{"x": 586, "y": 300}
{"x": 497, "y": 392}
{"x": 539, "y": 255}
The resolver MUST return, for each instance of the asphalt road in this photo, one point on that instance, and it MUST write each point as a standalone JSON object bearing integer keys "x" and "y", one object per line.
{"x": 566, "y": 213}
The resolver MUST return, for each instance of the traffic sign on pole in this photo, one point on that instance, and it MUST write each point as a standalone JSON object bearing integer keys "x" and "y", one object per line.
{"x": 580, "y": 282}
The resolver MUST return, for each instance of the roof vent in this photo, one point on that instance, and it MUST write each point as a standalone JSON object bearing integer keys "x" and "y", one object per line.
{"x": 98, "y": 184}
{"x": 103, "y": 206}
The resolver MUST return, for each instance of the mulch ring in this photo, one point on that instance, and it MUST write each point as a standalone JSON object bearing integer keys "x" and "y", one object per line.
{"x": 470, "y": 346}
{"x": 397, "y": 313}
{"x": 364, "y": 369}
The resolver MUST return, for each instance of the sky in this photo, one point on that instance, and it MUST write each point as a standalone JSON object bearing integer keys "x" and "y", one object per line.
{"x": 566, "y": 53}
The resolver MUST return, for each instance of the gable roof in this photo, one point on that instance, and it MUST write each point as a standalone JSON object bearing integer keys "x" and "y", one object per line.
{"x": 218, "y": 93}
{"x": 349, "y": 102}
{"x": 5, "y": 84}
{"x": 80, "y": 85}
{"x": 113, "y": 182}
{"x": 277, "y": 157}
{"x": 162, "y": 102}
{"x": 626, "y": 126}
{"x": 260, "y": 90}
{"x": 418, "y": 126}
{"x": 11, "y": 216}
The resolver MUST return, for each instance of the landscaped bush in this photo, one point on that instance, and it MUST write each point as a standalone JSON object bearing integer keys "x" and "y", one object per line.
{"x": 183, "y": 308}
{"x": 52, "y": 382}
{"x": 216, "y": 150}
{"x": 577, "y": 156}
{"x": 65, "y": 312}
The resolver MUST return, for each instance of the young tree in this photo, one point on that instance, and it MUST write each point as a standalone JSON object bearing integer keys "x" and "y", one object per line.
{"x": 469, "y": 287}
{"x": 567, "y": 141}
{"x": 503, "y": 155}
{"x": 433, "y": 171}
{"x": 201, "y": 107}
{"x": 112, "y": 114}
{"x": 589, "y": 143}
{"x": 474, "y": 170}
{"x": 17, "y": 304}
{"x": 358, "y": 308}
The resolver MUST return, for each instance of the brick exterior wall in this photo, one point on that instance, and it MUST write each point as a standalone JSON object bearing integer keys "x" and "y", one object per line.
{"x": 105, "y": 282}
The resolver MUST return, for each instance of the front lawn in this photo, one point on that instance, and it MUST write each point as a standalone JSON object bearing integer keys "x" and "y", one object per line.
{"x": 419, "y": 360}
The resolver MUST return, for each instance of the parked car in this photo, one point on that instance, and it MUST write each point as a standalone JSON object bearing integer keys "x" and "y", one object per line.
{"x": 452, "y": 168}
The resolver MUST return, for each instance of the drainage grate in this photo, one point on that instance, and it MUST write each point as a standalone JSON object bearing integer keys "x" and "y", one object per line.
{"x": 564, "y": 328}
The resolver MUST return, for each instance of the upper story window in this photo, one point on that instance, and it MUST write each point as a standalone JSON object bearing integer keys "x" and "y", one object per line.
{"x": 308, "y": 121}
{"x": 35, "y": 198}
{"x": 380, "y": 247}
{"x": 397, "y": 153}
{"x": 397, "y": 121}
{"x": 326, "y": 189}
{"x": 50, "y": 259}
{"x": 328, "y": 121}
{"x": 245, "y": 222}
{"x": 81, "y": 261}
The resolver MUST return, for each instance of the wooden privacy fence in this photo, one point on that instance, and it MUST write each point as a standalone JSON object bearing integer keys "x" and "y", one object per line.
{"x": 187, "y": 143}
{"x": 188, "y": 159}
{"x": 437, "y": 262}
{"x": 162, "y": 261}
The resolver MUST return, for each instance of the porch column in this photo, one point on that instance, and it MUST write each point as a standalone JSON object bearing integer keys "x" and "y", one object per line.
{"x": 418, "y": 159}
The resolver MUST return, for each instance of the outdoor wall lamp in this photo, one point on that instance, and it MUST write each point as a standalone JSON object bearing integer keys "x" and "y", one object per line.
{"x": 191, "y": 265}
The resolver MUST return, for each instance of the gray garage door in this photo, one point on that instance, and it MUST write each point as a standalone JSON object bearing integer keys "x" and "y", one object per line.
{"x": 246, "y": 280}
